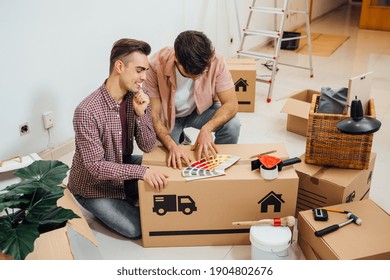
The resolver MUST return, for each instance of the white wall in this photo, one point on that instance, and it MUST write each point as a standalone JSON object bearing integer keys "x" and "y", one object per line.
{"x": 321, "y": 7}
{"x": 54, "y": 53}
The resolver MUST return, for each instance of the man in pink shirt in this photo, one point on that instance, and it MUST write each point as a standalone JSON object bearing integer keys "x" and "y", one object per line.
{"x": 190, "y": 86}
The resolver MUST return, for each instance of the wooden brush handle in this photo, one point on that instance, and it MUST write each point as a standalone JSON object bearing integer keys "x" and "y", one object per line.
{"x": 254, "y": 223}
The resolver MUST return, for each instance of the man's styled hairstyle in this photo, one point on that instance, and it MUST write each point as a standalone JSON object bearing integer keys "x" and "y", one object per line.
{"x": 124, "y": 47}
{"x": 194, "y": 51}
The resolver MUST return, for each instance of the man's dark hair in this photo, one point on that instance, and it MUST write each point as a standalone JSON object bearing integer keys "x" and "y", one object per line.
{"x": 124, "y": 47}
{"x": 194, "y": 51}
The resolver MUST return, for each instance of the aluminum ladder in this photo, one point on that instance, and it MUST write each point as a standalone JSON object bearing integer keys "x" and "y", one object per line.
{"x": 277, "y": 34}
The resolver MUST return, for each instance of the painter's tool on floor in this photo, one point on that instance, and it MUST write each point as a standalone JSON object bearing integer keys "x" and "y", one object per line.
{"x": 332, "y": 228}
{"x": 276, "y": 222}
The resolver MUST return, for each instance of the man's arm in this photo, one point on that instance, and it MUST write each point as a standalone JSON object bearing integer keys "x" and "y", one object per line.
{"x": 144, "y": 134}
{"x": 204, "y": 143}
{"x": 176, "y": 154}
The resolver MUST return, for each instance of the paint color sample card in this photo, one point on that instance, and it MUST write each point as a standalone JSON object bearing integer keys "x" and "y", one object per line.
{"x": 203, "y": 168}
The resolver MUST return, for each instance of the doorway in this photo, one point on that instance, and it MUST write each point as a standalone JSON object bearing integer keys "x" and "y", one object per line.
{"x": 375, "y": 15}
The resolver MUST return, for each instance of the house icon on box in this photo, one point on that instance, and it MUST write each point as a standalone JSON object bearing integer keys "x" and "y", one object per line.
{"x": 241, "y": 83}
{"x": 271, "y": 199}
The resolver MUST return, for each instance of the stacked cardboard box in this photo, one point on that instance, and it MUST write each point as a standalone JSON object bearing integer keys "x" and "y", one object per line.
{"x": 320, "y": 186}
{"x": 243, "y": 72}
{"x": 368, "y": 241}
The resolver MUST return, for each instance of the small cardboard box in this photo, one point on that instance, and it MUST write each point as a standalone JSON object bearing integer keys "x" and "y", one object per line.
{"x": 201, "y": 212}
{"x": 55, "y": 245}
{"x": 368, "y": 241}
{"x": 320, "y": 186}
{"x": 297, "y": 108}
{"x": 243, "y": 72}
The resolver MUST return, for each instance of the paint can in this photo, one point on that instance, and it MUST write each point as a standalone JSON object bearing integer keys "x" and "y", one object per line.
{"x": 270, "y": 242}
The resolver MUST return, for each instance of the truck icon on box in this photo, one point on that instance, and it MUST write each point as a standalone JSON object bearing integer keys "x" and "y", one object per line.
{"x": 173, "y": 203}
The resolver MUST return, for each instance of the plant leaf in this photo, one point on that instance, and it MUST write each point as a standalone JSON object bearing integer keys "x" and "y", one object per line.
{"x": 23, "y": 187}
{"x": 15, "y": 203}
{"x": 17, "y": 242}
{"x": 48, "y": 172}
{"x": 41, "y": 197}
{"x": 43, "y": 200}
{"x": 57, "y": 215}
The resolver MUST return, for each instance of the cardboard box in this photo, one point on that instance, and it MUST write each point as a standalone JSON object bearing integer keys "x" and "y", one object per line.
{"x": 243, "y": 72}
{"x": 320, "y": 186}
{"x": 201, "y": 212}
{"x": 297, "y": 108}
{"x": 55, "y": 245}
{"x": 368, "y": 241}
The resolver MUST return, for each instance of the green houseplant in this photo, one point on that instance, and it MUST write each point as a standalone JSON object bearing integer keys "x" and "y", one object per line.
{"x": 29, "y": 207}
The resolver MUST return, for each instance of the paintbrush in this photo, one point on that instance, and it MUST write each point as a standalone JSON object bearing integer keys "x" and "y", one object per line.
{"x": 286, "y": 221}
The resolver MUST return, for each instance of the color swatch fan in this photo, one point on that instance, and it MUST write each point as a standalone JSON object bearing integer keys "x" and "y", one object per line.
{"x": 213, "y": 167}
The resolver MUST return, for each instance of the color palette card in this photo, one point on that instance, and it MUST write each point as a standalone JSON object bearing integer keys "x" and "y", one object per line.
{"x": 213, "y": 167}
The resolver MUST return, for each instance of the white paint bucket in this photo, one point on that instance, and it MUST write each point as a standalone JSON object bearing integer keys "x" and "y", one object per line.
{"x": 270, "y": 242}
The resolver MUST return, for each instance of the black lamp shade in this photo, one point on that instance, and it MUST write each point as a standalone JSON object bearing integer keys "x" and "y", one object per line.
{"x": 358, "y": 124}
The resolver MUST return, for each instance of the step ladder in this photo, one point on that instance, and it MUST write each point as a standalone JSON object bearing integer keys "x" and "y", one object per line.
{"x": 277, "y": 34}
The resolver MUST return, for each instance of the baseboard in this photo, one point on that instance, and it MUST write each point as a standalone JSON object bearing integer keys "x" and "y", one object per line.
{"x": 58, "y": 152}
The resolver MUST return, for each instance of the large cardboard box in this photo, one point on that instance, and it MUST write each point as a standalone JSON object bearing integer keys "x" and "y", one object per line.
{"x": 55, "y": 245}
{"x": 320, "y": 186}
{"x": 297, "y": 108}
{"x": 368, "y": 241}
{"x": 201, "y": 212}
{"x": 243, "y": 72}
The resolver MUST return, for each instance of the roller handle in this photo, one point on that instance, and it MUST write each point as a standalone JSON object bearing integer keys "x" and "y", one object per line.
{"x": 327, "y": 230}
{"x": 288, "y": 162}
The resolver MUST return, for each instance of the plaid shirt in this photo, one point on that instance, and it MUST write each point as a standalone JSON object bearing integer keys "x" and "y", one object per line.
{"x": 97, "y": 169}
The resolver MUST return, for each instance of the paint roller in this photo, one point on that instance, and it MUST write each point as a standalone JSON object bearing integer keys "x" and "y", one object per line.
{"x": 286, "y": 221}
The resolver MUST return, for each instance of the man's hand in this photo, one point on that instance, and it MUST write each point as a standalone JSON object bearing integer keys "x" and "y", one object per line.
{"x": 204, "y": 144}
{"x": 176, "y": 157}
{"x": 156, "y": 179}
{"x": 140, "y": 102}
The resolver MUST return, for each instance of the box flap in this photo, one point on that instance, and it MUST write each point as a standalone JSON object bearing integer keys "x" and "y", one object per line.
{"x": 79, "y": 225}
{"x": 297, "y": 108}
{"x": 247, "y": 61}
{"x": 17, "y": 162}
{"x": 52, "y": 245}
{"x": 339, "y": 176}
{"x": 241, "y": 67}
{"x": 239, "y": 64}
{"x": 366, "y": 241}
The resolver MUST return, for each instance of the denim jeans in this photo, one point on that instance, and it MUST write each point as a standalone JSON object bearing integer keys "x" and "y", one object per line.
{"x": 225, "y": 134}
{"x": 117, "y": 214}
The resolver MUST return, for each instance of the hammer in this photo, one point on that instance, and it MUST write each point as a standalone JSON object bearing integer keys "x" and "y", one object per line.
{"x": 351, "y": 218}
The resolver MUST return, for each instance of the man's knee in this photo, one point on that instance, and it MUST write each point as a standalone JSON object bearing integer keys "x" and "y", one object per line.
{"x": 232, "y": 127}
{"x": 234, "y": 124}
{"x": 229, "y": 132}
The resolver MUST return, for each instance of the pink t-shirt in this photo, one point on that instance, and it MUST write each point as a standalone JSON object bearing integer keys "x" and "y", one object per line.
{"x": 161, "y": 83}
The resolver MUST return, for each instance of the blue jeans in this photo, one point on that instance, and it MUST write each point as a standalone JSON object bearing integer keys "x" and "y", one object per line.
{"x": 117, "y": 214}
{"x": 225, "y": 134}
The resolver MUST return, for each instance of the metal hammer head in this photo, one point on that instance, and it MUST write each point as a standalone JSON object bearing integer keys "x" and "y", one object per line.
{"x": 355, "y": 218}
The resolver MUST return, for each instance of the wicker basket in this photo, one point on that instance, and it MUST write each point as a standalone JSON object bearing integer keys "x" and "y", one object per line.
{"x": 326, "y": 145}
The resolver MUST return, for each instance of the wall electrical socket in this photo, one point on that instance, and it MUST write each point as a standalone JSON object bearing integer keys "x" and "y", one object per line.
{"x": 48, "y": 119}
{"x": 24, "y": 129}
